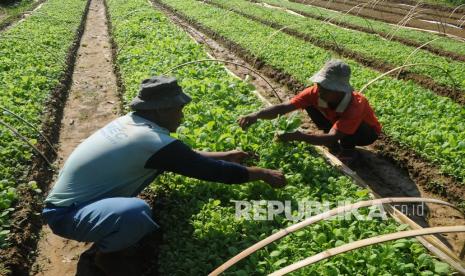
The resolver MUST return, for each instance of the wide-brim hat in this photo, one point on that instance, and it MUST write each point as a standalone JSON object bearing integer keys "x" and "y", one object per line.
{"x": 335, "y": 76}
{"x": 159, "y": 92}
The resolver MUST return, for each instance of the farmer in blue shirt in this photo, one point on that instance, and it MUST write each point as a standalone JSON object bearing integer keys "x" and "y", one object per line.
{"x": 94, "y": 198}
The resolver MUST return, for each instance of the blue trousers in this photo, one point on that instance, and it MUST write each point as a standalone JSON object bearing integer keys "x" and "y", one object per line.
{"x": 112, "y": 223}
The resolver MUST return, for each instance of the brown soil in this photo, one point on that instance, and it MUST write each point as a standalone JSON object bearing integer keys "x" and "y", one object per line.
{"x": 92, "y": 103}
{"x": 26, "y": 221}
{"x": 426, "y": 9}
{"x": 383, "y": 174}
{"x": 388, "y": 17}
{"x": 8, "y": 22}
{"x": 435, "y": 7}
{"x": 403, "y": 10}
{"x": 457, "y": 95}
{"x": 402, "y": 40}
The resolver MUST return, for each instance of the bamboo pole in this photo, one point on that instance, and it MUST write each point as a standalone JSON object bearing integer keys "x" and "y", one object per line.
{"x": 366, "y": 242}
{"x": 323, "y": 216}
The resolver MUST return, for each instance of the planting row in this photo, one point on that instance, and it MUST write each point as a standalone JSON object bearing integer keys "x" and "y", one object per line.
{"x": 431, "y": 125}
{"x": 200, "y": 230}
{"x": 444, "y": 43}
{"x": 32, "y": 62}
{"x": 367, "y": 47}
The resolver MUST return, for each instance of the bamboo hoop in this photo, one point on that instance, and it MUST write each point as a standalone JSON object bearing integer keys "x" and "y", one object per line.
{"x": 463, "y": 21}
{"x": 366, "y": 242}
{"x": 413, "y": 52}
{"x": 402, "y": 23}
{"x": 376, "y": 2}
{"x": 329, "y": 19}
{"x": 16, "y": 133}
{"x": 344, "y": 14}
{"x": 456, "y": 8}
{"x": 30, "y": 125}
{"x": 409, "y": 16}
{"x": 229, "y": 62}
{"x": 323, "y": 216}
{"x": 409, "y": 65}
{"x": 362, "y": 7}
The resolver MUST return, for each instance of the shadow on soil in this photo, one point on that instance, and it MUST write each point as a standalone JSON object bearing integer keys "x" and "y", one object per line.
{"x": 389, "y": 181}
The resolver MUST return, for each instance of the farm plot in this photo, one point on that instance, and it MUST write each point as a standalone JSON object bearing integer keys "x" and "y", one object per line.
{"x": 368, "y": 12}
{"x": 365, "y": 48}
{"x": 33, "y": 58}
{"x": 436, "y": 43}
{"x": 201, "y": 230}
{"x": 413, "y": 116}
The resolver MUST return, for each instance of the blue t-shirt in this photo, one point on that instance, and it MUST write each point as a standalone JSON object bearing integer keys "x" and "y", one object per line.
{"x": 111, "y": 162}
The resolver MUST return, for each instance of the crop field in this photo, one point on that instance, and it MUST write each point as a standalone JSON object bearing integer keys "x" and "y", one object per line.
{"x": 286, "y": 42}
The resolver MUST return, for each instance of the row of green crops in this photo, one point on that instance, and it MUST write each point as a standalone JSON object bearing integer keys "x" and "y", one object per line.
{"x": 431, "y": 125}
{"x": 368, "y": 45}
{"x": 32, "y": 61}
{"x": 444, "y": 43}
{"x": 200, "y": 230}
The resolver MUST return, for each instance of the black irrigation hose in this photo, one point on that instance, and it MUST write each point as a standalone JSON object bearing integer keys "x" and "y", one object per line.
{"x": 16, "y": 133}
{"x": 225, "y": 61}
{"x": 30, "y": 125}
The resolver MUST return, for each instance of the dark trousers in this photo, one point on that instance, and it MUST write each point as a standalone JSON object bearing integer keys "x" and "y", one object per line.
{"x": 365, "y": 134}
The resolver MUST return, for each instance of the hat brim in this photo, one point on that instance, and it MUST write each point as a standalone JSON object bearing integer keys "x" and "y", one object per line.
{"x": 169, "y": 102}
{"x": 332, "y": 85}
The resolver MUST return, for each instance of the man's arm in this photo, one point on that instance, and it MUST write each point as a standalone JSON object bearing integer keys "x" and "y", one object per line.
{"x": 179, "y": 158}
{"x": 235, "y": 156}
{"x": 267, "y": 113}
{"x": 328, "y": 139}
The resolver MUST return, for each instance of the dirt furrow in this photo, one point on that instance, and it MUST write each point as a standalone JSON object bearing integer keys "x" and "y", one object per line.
{"x": 405, "y": 41}
{"x": 93, "y": 102}
{"x": 457, "y": 95}
{"x": 383, "y": 16}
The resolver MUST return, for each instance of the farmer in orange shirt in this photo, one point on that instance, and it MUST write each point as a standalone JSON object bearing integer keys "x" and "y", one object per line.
{"x": 344, "y": 115}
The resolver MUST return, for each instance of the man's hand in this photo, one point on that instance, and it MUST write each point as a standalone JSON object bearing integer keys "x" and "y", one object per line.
{"x": 274, "y": 178}
{"x": 291, "y": 136}
{"x": 246, "y": 121}
{"x": 236, "y": 156}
